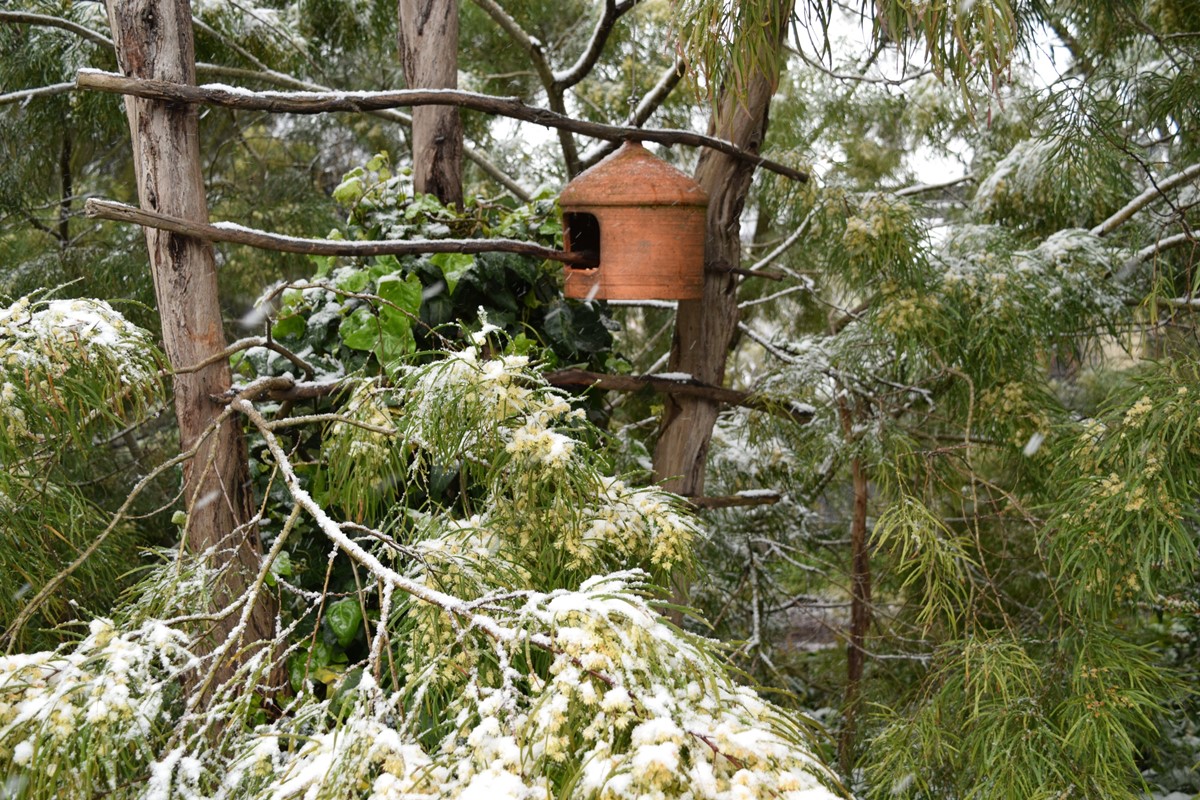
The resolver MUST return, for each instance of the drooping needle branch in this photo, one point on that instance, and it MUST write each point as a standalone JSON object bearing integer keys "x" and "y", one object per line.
{"x": 326, "y": 102}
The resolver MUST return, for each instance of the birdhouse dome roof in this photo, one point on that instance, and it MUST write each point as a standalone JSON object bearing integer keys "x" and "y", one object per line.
{"x": 632, "y": 176}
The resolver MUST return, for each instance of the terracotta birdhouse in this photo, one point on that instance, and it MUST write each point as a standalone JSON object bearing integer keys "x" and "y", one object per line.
{"x": 641, "y": 222}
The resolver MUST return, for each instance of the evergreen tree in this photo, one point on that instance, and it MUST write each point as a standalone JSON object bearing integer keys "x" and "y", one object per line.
{"x": 973, "y": 404}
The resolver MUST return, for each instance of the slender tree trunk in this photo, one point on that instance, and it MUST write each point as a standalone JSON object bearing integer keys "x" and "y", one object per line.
{"x": 428, "y": 42}
{"x": 153, "y": 39}
{"x": 860, "y": 613}
{"x": 66, "y": 190}
{"x": 704, "y": 329}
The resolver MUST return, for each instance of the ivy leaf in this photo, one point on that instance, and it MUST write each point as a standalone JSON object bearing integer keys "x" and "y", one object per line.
{"x": 353, "y": 280}
{"x": 350, "y": 190}
{"x": 344, "y": 618}
{"x": 453, "y": 266}
{"x": 403, "y": 299}
{"x": 282, "y": 565}
{"x": 404, "y": 294}
{"x": 290, "y": 326}
{"x": 360, "y": 330}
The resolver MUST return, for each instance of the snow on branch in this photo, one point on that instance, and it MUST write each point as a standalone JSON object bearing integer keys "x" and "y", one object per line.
{"x": 324, "y": 102}
{"x": 1146, "y": 198}
{"x": 41, "y": 91}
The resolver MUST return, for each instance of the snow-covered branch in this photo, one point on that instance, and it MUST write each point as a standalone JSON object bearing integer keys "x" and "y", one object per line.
{"x": 325, "y": 102}
{"x": 1146, "y": 198}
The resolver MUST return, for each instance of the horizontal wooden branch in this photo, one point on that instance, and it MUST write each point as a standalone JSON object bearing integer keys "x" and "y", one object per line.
{"x": 324, "y": 102}
{"x": 759, "y": 498}
{"x": 236, "y": 234}
{"x": 689, "y": 387}
{"x": 41, "y": 91}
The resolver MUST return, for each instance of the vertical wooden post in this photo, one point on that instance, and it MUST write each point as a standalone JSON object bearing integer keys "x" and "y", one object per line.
{"x": 153, "y": 40}
{"x": 428, "y": 41}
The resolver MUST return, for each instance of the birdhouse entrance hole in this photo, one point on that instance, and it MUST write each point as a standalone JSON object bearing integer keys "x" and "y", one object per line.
{"x": 582, "y": 232}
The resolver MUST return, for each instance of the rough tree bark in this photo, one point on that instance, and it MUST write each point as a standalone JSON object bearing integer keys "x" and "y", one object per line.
{"x": 428, "y": 42}
{"x": 704, "y": 329}
{"x": 153, "y": 39}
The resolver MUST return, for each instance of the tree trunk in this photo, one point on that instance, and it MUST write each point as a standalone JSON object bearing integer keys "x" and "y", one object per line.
{"x": 153, "y": 39}
{"x": 66, "y": 189}
{"x": 860, "y": 614}
{"x": 704, "y": 329}
{"x": 428, "y": 43}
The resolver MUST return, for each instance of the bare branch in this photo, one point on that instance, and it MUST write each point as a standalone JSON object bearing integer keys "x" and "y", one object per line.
{"x": 246, "y": 344}
{"x": 753, "y": 498}
{"x": 922, "y": 188}
{"x": 784, "y": 245}
{"x": 1169, "y": 242}
{"x": 236, "y": 234}
{"x": 595, "y": 46}
{"x": 47, "y": 21}
{"x": 528, "y": 43}
{"x": 554, "y": 92}
{"x": 319, "y": 103}
{"x": 282, "y": 388}
{"x": 648, "y": 105}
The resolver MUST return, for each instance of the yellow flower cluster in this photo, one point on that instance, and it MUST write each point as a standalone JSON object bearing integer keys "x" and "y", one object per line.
{"x": 365, "y": 433}
{"x": 638, "y": 523}
{"x": 109, "y": 686}
{"x": 879, "y": 218}
{"x": 1133, "y": 417}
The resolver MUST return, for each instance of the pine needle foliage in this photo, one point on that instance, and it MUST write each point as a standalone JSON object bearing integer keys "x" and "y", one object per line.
{"x": 72, "y": 372}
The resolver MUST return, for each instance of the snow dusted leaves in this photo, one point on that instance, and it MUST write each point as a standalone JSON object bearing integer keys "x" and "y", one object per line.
{"x": 94, "y": 705}
{"x": 56, "y": 356}
{"x": 629, "y": 707}
{"x": 46, "y": 337}
{"x": 522, "y": 656}
{"x": 528, "y": 445}
{"x": 1053, "y": 183}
